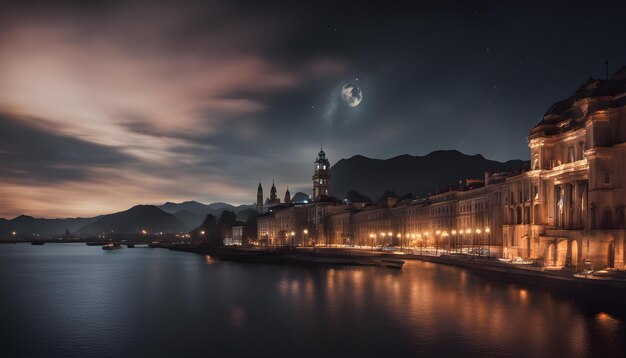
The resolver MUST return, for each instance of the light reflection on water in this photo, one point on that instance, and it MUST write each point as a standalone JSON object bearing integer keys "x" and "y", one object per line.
{"x": 74, "y": 300}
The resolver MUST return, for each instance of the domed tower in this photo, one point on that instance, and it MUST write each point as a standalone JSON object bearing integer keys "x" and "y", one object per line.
{"x": 259, "y": 199}
{"x": 321, "y": 176}
{"x": 287, "y": 196}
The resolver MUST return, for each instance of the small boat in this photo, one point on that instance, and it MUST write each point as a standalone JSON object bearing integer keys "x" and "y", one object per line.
{"x": 521, "y": 261}
{"x": 37, "y": 242}
{"x": 503, "y": 259}
{"x": 112, "y": 246}
{"x": 130, "y": 246}
{"x": 397, "y": 264}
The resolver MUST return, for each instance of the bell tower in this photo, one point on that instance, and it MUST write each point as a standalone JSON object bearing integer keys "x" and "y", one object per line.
{"x": 321, "y": 177}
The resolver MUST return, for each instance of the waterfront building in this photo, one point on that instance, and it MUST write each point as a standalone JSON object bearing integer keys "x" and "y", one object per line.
{"x": 566, "y": 209}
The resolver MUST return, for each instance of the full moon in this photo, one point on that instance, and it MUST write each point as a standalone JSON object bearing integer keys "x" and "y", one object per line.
{"x": 351, "y": 94}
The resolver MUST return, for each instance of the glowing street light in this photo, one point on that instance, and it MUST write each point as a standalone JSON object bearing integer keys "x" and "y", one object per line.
{"x": 202, "y": 232}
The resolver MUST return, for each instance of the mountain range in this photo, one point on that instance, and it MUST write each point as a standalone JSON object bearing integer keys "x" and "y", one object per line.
{"x": 169, "y": 217}
{"x": 418, "y": 175}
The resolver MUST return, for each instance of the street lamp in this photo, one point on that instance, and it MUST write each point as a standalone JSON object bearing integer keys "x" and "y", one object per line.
{"x": 479, "y": 242}
{"x": 488, "y": 231}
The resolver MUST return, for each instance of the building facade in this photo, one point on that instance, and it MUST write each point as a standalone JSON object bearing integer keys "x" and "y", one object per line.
{"x": 565, "y": 210}
{"x": 568, "y": 210}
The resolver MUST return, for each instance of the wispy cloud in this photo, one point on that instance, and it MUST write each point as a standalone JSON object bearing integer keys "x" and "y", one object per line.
{"x": 132, "y": 100}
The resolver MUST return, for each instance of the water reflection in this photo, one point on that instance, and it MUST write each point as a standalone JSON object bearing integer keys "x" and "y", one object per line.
{"x": 425, "y": 305}
{"x": 76, "y": 301}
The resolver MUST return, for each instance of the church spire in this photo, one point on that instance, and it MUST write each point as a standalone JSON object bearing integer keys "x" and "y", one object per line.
{"x": 287, "y": 196}
{"x": 259, "y": 198}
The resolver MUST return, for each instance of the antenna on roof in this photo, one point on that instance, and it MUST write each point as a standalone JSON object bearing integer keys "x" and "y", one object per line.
{"x": 606, "y": 62}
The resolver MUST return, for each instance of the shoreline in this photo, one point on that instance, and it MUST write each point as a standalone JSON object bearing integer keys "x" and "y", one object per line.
{"x": 600, "y": 289}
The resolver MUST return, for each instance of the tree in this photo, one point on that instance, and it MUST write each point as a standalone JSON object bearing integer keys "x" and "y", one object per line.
{"x": 208, "y": 231}
{"x": 250, "y": 227}
{"x": 226, "y": 222}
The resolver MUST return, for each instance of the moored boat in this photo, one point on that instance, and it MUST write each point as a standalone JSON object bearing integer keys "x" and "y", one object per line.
{"x": 397, "y": 264}
{"x": 37, "y": 242}
{"x": 112, "y": 246}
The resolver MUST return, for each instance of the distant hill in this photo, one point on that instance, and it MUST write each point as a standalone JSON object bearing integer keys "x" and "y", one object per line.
{"x": 169, "y": 217}
{"x": 189, "y": 219}
{"x": 202, "y": 209}
{"x": 407, "y": 173}
{"x": 133, "y": 220}
{"x": 28, "y": 225}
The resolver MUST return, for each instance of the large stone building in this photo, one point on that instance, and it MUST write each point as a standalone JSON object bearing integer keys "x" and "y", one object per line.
{"x": 565, "y": 210}
{"x": 568, "y": 210}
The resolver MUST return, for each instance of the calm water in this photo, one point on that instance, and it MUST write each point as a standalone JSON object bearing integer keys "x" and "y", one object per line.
{"x": 71, "y": 300}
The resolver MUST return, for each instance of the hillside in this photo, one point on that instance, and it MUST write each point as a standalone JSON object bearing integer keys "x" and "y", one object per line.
{"x": 418, "y": 175}
{"x": 28, "y": 225}
{"x": 202, "y": 209}
{"x": 134, "y": 220}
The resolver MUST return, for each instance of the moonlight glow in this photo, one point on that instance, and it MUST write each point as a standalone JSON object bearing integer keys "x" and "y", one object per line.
{"x": 351, "y": 94}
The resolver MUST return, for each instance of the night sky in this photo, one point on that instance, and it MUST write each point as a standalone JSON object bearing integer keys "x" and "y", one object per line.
{"x": 104, "y": 105}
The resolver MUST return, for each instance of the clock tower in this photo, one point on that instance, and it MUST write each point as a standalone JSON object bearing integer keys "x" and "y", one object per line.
{"x": 321, "y": 177}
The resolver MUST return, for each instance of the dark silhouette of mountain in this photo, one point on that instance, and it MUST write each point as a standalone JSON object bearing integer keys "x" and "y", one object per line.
{"x": 191, "y": 206}
{"x": 202, "y": 209}
{"x": 134, "y": 220}
{"x": 28, "y": 225}
{"x": 354, "y": 196}
{"x": 243, "y": 215}
{"x": 189, "y": 219}
{"x": 414, "y": 174}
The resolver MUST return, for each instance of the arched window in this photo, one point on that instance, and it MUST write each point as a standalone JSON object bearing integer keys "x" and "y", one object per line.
{"x": 607, "y": 178}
